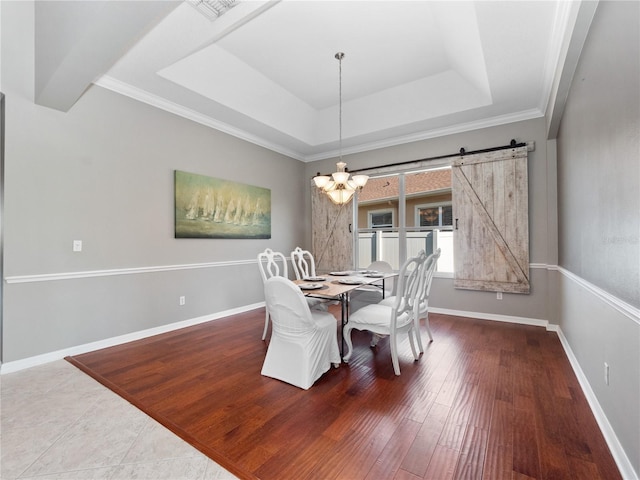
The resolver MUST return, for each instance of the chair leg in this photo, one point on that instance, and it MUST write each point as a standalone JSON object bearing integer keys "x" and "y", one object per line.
{"x": 413, "y": 333}
{"x": 426, "y": 322}
{"x": 394, "y": 353}
{"x": 416, "y": 329}
{"x": 266, "y": 323}
{"x": 346, "y": 335}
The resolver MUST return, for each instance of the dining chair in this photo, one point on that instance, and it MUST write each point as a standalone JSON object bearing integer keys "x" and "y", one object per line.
{"x": 368, "y": 294}
{"x": 384, "y": 267}
{"x": 421, "y": 305}
{"x": 303, "y": 343}
{"x": 271, "y": 264}
{"x": 390, "y": 320}
{"x": 304, "y": 267}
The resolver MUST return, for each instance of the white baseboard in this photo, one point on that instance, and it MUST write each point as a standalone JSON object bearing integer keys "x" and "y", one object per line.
{"x": 21, "y": 364}
{"x": 536, "y": 322}
{"x": 619, "y": 455}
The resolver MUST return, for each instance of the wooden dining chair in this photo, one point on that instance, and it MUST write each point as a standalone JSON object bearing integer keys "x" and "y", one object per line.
{"x": 271, "y": 264}
{"x": 391, "y": 320}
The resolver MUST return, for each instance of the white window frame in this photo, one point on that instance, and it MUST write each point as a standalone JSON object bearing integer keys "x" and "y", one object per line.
{"x": 416, "y": 220}
{"x": 402, "y": 230}
{"x": 385, "y": 210}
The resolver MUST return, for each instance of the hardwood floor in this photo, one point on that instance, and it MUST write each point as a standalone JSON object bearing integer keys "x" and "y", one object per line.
{"x": 487, "y": 400}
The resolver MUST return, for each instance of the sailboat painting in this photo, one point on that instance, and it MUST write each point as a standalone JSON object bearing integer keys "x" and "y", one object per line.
{"x": 208, "y": 207}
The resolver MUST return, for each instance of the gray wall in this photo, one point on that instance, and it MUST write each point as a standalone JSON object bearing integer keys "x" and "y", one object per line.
{"x": 103, "y": 173}
{"x": 599, "y": 157}
{"x": 599, "y": 216}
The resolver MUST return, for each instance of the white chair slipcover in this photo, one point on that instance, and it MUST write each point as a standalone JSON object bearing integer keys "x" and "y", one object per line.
{"x": 303, "y": 343}
{"x": 385, "y": 320}
{"x": 268, "y": 264}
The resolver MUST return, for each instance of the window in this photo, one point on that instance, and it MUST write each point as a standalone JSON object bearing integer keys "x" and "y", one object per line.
{"x": 400, "y": 214}
{"x": 381, "y": 219}
{"x": 433, "y": 215}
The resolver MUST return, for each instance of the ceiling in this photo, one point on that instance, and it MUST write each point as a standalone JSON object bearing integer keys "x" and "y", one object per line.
{"x": 266, "y": 72}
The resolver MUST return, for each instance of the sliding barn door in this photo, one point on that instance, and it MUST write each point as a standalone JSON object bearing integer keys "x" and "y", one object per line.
{"x": 491, "y": 209}
{"x": 332, "y": 242}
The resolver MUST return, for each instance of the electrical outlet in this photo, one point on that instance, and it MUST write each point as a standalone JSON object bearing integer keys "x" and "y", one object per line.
{"x": 606, "y": 373}
{"x": 77, "y": 245}
{"x": 182, "y": 300}
{"x": 499, "y": 295}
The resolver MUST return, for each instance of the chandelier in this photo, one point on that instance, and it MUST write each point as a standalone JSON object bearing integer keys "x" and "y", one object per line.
{"x": 340, "y": 186}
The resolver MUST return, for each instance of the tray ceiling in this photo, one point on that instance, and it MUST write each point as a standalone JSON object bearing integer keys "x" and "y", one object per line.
{"x": 266, "y": 72}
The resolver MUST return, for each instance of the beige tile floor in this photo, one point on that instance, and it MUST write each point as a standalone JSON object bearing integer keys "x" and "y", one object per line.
{"x": 58, "y": 423}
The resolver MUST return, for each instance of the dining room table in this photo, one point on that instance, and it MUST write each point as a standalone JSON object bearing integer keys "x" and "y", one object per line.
{"x": 337, "y": 285}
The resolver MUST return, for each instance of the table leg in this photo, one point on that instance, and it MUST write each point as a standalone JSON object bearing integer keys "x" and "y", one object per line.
{"x": 343, "y": 311}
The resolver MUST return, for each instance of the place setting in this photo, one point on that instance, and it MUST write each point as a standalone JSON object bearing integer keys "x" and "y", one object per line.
{"x": 371, "y": 274}
{"x": 311, "y": 286}
{"x": 351, "y": 281}
{"x": 314, "y": 279}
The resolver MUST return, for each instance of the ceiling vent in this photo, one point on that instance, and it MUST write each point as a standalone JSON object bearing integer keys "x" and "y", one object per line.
{"x": 212, "y": 9}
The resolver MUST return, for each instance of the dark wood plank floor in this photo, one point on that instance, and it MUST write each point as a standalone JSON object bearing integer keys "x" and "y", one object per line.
{"x": 487, "y": 400}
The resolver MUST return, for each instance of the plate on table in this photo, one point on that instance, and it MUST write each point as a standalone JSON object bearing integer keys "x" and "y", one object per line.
{"x": 340, "y": 274}
{"x": 310, "y": 286}
{"x": 314, "y": 279}
{"x": 374, "y": 275}
{"x": 350, "y": 281}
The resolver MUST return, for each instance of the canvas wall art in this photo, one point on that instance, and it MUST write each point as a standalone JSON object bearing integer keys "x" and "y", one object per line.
{"x": 208, "y": 207}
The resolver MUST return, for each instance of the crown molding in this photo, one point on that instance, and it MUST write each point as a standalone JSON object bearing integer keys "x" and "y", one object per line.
{"x": 439, "y": 132}
{"x": 130, "y": 91}
{"x": 135, "y": 93}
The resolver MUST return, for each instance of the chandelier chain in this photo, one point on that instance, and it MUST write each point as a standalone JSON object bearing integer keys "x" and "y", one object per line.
{"x": 340, "y": 186}
{"x": 340, "y": 56}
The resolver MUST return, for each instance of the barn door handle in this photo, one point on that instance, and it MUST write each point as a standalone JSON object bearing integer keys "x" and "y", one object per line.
{"x": 456, "y": 223}
{"x": 350, "y": 231}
